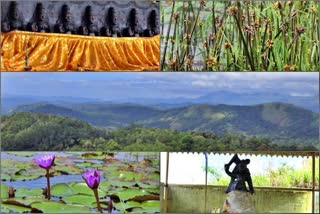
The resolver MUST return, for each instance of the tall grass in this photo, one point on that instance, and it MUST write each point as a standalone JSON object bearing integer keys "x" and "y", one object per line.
{"x": 283, "y": 176}
{"x": 240, "y": 35}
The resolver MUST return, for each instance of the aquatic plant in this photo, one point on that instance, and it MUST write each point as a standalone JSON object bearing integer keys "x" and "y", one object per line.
{"x": 92, "y": 178}
{"x": 46, "y": 162}
{"x": 240, "y": 35}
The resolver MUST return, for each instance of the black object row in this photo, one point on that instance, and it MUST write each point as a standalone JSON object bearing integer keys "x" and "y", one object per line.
{"x": 65, "y": 22}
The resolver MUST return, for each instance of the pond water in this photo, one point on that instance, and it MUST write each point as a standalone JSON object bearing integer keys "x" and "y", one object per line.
{"x": 127, "y": 174}
{"x": 41, "y": 182}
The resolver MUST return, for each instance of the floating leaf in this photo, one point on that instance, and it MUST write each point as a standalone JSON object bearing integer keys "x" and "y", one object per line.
{"x": 142, "y": 198}
{"x": 26, "y": 192}
{"x": 123, "y": 207}
{"x": 86, "y": 200}
{"x": 58, "y": 207}
{"x": 128, "y": 175}
{"x": 61, "y": 189}
{"x": 7, "y": 208}
{"x": 29, "y": 200}
{"x": 147, "y": 207}
{"x": 22, "y": 154}
{"x": 82, "y": 188}
{"x": 4, "y": 190}
{"x": 131, "y": 193}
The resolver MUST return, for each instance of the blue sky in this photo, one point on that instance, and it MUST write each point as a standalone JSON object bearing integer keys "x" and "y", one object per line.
{"x": 120, "y": 85}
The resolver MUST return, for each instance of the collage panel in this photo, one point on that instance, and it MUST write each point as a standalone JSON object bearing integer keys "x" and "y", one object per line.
{"x": 80, "y": 36}
{"x": 243, "y": 182}
{"x": 80, "y": 182}
{"x": 179, "y": 111}
{"x": 240, "y": 35}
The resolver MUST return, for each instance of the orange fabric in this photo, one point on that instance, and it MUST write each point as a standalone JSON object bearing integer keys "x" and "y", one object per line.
{"x": 60, "y": 52}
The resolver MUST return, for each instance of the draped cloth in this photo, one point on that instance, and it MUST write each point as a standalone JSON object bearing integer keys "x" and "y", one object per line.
{"x": 65, "y": 52}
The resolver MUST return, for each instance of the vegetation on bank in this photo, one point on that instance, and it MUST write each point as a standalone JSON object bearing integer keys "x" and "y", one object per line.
{"x": 34, "y": 132}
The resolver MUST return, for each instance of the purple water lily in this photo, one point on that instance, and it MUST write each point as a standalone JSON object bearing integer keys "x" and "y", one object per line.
{"x": 92, "y": 178}
{"x": 46, "y": 161}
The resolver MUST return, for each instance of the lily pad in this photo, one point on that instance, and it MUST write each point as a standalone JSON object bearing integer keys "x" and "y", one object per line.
{"x": 4, "y": 190}
{"x": 23, "y": 154}
{"x": 18, "y": 170}
{"x": 123, "y": 207}
{"x": 146, "y": 207}
{"x": 82, "y": 188}
{"x": 24, "y": 192}
{"x": 7, "y": 208}
{"x": 58, "y": 207}
{"x": 29, "y": 200}
{"x": 131, "y": 193}
{"x": 85, "y": 200}
{"x": 61, "y": 189}
{"x": 128, "y": 175}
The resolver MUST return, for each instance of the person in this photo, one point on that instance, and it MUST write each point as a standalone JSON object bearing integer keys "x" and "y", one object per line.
{"x": 14, "y": 19}
{"x": 240, "y": 175}
{"x": 65, "y": 23}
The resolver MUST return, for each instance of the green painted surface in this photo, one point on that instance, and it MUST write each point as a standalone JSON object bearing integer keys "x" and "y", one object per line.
{"x": 191, "y": 199}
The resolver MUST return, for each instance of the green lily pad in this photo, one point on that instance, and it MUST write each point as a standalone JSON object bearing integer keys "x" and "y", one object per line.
{"x": 146, "y": 207}
{"x": 4, "y": 190}
{"x": 7, "y": 208}
{"x": 18, "y": 170}
{"x": 95, "y": 155}
{"x": 61, "y": 189}
{"x": 57, "y": 207}
{"x": 116, "y": 183}
{"x": 85, "y": 200}
{"x": 23, "y": 154}
{"x": 151, "y": 206}
{"x": 25, "y": 192}
{"x": 29, "y": 200}
{"x": 123, "y": 207}
{"x": 82, "y": 188}
{"x": 131, "y": 193}
{"x": 128, "y": 175}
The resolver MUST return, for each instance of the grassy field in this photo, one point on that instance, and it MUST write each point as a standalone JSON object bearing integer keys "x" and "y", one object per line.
{"x": 240, "y": 35}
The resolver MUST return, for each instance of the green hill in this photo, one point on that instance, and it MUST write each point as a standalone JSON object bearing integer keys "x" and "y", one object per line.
{"x": 273, "y": 120}
{"x": 34, "y": 132}
{"x": 39, "y": 132}
{"x": 280, "y": 122}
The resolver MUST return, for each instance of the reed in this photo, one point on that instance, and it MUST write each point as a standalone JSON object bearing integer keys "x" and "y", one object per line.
{"x": 240, "y": 35}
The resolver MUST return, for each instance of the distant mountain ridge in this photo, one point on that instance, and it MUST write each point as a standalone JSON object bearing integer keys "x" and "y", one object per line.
{"x": 273, "y": 120}
{"x": 307, "y": 101}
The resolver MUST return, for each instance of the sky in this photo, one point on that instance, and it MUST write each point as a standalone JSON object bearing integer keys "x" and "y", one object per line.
{"x": 123, "y": 85}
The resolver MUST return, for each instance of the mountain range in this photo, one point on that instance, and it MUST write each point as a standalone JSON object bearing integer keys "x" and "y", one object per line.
{"x": 277, "y": 121}
{"x": 307, "y": 101}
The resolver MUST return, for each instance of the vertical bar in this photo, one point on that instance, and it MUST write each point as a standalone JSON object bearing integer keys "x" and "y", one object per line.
{"x": 206, "y": 189}
{"x": 165, "y": 195}
{"x": 313, "y": 181}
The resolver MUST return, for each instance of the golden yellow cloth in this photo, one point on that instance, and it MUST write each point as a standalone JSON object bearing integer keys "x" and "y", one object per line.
{"x": 60, "y": 52}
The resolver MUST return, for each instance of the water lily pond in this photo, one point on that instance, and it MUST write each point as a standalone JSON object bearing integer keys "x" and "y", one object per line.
{"x": 129, "y": 183}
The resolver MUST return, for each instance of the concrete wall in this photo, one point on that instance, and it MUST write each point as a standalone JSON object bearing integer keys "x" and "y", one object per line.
{"x": 191, "y": 199}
